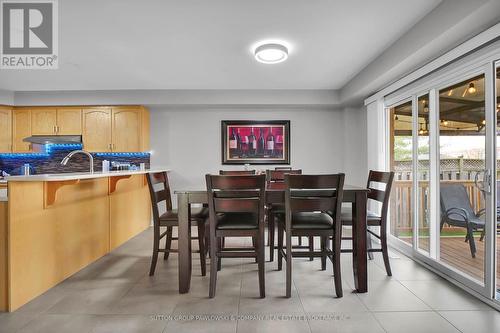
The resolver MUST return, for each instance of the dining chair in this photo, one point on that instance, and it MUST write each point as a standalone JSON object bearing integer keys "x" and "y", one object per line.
{"x": 278, "y": 176}
{"x": 235, "y": 173}
{"x": 312, "y": 208}
{"x": 159, "y": 190}
{"x": 457, "y": 211}
{"x": 376, "y": 180}
{"x": 236, "y": 209}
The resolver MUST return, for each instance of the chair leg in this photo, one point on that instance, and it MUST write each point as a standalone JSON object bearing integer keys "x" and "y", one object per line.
{"x": 369, "y": 245}
{"x": 472, "y": 243}
{"x": 156, "y": 248}
{"x": 271, "y": 237}
{"x": 280, "y": 246}
{"x": 323, "y": 253}
{"x": 168, "y": 243}
{"x": 311, "y": 247}
{"x": 385, "y": 252}
{"x": 220, "y": 246}
{"x": 213, "y": 266}
{"x": 201, "y": 245}
{"x": 300, "y": 241}
{"x": 261, "y": 260}
{"x": 288, "y": 266}
{"x": 337, "y": 277}
{"x": 482, "y": 235}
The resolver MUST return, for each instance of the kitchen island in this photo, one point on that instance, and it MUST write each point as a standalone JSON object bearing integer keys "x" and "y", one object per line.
{"x": 52, "y": 226}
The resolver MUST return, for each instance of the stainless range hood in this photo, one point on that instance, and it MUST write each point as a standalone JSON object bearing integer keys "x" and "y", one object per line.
{"x": 53, "y": 139}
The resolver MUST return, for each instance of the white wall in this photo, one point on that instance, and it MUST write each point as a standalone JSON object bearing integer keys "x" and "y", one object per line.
{"x": 188, "y": 141}
{"x": 355, "y": 145}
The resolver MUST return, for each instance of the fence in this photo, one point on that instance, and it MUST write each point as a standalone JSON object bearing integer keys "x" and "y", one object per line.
{"x": 462, "y": 171}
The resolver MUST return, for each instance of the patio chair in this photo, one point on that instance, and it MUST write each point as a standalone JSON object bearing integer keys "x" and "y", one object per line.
{"x": 456, "y": 210}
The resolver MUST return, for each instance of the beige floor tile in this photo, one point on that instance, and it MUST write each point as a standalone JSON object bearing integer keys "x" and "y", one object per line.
{"x": 414, "y": 322}
{"x": 58, "y": 323}
{"x": 442, "y": 295}
{"x": 474, "y": 321}
{"x": 128, "y": 324}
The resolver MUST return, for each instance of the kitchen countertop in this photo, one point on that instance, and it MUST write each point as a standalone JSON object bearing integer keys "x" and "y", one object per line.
{"x": 78, "y": 175}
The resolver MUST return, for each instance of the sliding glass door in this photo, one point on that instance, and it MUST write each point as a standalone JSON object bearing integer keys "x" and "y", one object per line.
{"x": 462, "y": 165}
{"x": 443, "y": 144}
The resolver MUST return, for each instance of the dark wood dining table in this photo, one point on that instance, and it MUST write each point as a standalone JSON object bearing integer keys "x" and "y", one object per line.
{"x": 275, "y": 194}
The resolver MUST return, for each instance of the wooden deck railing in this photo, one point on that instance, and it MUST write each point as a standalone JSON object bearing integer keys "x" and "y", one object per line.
{"x": 400, "y": 205}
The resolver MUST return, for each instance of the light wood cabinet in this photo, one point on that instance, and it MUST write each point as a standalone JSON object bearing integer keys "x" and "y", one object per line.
{"x": 21, "y": 128}
{"x": 5, "y": 129}
{"x": 126, "y": 131}
{"x": 103, "y": 128}
{"x": 69, "y": 121}
{"x": 56, "y": 121}
{"x": 43, "y": 121}
{"x": 96, "y": 129}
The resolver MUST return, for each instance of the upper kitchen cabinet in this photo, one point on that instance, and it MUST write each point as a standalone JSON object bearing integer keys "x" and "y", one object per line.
{"x": 127, "y": 129}
{"x": 117, "y": 129}
{"x": 69, "y": 121}
{"x": 43, "y": 121}
{"x": 5, "y": 129}
{"x": 56, "y": 121}
{"x": 96, "y": 129}
{"x": 21, "y": 128}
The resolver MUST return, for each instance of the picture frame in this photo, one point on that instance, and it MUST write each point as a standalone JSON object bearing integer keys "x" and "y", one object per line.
{"x": 255, "y": 141}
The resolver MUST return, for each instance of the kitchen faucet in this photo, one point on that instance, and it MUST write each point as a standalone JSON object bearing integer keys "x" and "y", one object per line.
{"x": 91, "y": 158}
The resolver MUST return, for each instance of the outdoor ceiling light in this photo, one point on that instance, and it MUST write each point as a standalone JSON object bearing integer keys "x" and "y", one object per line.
{"x": 271, "y": 53}
{"x": 472, "y": 89}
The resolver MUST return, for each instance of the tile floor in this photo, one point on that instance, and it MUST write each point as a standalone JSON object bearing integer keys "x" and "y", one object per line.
{"x": 115, "y": 294}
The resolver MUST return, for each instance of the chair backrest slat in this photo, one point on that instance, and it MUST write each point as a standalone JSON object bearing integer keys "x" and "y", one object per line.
{"x": 236, "y": 205}
{"x": 278, "y": 175}
{"x": 307, "y": 204}
{"x": 236, "y": 172}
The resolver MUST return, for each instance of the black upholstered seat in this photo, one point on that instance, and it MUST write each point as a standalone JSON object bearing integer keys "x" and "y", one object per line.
{"x": 197, "y": 213}
{"x": 309, "y": 220}
{"x": 241, "y": 221}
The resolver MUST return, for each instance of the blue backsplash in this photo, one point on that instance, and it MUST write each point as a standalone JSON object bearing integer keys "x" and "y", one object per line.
{"x": 49, "y": 160}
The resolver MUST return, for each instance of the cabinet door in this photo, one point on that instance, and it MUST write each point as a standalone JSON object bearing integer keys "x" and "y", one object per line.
{"x": 43, "y": 121}
{"x": 5, "y": 129}
{"x": 69, "y": 121}
{"x": 126, "y": 129}
{"x": 21, "y": 128}
{"x": 96, "y": 131}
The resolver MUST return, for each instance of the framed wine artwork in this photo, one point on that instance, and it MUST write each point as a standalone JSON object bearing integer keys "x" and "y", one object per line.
{"x": 255, "y": 142}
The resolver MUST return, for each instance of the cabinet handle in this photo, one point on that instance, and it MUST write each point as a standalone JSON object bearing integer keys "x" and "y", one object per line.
{"x": 110, "y": 147}
{"x": 55, "y": 129}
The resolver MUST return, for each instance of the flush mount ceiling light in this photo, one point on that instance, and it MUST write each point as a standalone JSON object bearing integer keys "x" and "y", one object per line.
{"x": 271, "y": 53}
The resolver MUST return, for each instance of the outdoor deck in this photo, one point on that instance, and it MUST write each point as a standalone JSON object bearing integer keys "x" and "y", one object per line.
{"x": 456, "y": 253}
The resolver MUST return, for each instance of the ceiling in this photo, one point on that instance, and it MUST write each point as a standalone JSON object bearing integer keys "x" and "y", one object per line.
{"x": 125, "y": 44}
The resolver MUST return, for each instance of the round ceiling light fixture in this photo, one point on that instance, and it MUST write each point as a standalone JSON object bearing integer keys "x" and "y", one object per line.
{"x": 271, "y": 53}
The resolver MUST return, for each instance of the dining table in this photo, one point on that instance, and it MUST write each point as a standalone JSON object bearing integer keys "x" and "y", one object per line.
{"x": 275, "y": 194}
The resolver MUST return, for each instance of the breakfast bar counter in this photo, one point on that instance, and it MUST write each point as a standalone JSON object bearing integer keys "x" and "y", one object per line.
{"x": 51, "y": 226}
